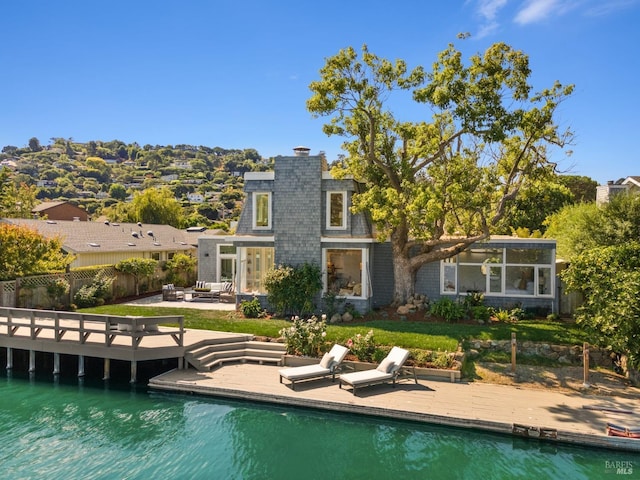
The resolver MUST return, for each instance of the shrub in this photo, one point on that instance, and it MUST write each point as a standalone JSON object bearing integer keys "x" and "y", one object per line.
{"x": 305, "y": 337}
{"x": 56, "y": 289}
{"x": 448, "y": 310}
{"x": 502, "y": 315}
{"x": 332, "y": 303}
{"x": 96, "y": 292}
{"x": 443, "y": 360}
{"x": 363, "y": 347}
{"x": 481, "y": 313}
{"x": 512, "y": 315}
{"x": 351, "y": 309}
{"x": 474, "y": 300}
{"x": 251, "y": 308}
{"x": 292, "y": 289}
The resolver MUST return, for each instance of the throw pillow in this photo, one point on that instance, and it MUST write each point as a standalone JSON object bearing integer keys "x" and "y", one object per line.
{"x": 385, "y": 366}
{"x": 326, "y": 360}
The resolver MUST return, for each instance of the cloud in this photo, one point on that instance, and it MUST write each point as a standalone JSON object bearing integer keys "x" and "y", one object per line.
{"x": 607, "y": 7}
{"x": 488, "y": 10}
{"x": 536, "y": 10}
{"x": 493, "y": 12}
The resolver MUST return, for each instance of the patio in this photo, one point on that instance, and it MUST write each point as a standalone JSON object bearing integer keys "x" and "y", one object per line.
{"x": 226, "y": 302}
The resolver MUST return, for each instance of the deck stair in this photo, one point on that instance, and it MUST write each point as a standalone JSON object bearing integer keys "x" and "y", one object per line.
{"x": 209, "y": 354}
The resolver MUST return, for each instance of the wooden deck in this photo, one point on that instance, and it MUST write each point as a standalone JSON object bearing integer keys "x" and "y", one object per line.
{"x": 109, "y": 337}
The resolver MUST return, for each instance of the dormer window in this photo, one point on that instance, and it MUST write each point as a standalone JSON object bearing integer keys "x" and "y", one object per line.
{"x": 336, "y": 210}
{"x": 262, "y": 210}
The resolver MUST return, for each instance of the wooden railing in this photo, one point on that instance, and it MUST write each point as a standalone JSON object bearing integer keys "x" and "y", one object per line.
{"x": 109, "y": 327}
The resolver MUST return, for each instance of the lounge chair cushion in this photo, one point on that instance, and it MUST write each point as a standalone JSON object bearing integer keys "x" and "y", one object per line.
{"x": 385, "y": 366}
{"x": 365, "y": 377}
{"x": 307, "y": 371}
{"x": 326, "y": 361}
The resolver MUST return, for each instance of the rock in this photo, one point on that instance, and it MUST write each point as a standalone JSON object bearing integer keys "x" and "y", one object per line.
{"x": 336, "y": 318}
{"x": 347, "y": 317}
{"x": 403, "y": 310}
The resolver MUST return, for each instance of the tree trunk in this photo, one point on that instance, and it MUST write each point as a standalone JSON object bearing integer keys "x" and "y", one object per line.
{"x": 403, "y": 275}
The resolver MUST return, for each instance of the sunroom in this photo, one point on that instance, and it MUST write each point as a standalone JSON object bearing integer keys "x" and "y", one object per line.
{"x": 502, "y": 269}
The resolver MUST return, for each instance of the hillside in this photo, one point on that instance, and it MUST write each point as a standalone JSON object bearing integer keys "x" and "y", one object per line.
{"x": 97, "y": 175}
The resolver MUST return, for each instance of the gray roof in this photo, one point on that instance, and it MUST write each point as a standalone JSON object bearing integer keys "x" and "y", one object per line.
{"x": 110, "y": 237}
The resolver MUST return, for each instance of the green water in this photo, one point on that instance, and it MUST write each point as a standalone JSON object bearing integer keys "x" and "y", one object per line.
{"x": 52, "y": 430}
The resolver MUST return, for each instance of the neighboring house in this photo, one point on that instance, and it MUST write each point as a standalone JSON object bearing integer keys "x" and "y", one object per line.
{"x": 10, "y": 164}
{"x": 195, "y": 197}
{"x": 46, "y": 183}
{"x": 604, "y": 193}
{"x": 95, "y": 243}
{"x": 633, "y": 184}
{"x": 60, "y": 211}
{"x": 299, "y": 213}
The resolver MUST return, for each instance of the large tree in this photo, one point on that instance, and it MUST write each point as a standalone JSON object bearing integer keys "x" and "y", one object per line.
{"x": 16, "y": 201}
{"x": 25, "y": 252}
{"x": 435, "y": 187}
{"x": 153, "y": 205}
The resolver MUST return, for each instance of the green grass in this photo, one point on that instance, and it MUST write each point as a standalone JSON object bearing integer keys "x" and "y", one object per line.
{"x": 422, "y": 335}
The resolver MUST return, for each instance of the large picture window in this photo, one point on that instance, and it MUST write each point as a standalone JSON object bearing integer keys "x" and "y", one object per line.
{"x": 255, "y": 262}
{"x": 346, "y": 271}
{"x": 336, "y": 210}
{"x": 262, "y": 210}
{"x": 499, "y": 272}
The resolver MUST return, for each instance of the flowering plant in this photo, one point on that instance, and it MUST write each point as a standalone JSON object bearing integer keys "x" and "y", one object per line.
{"x": 305, "y": 337}
{"x": 363, "y": 347}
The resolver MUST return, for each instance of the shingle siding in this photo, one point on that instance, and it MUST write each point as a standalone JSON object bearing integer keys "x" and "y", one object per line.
{"x": 296, "y": 217}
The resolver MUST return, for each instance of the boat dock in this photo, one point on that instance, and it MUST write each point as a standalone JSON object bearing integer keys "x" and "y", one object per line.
{"x": 108, "y": 337}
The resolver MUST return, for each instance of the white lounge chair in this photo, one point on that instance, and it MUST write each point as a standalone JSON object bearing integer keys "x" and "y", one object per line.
{"x": 329, "y": 364}
{"x": 388, "y": 370}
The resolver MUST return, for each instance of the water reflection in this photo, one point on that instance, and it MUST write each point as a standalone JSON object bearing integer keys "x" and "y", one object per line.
{"x": 69, "y": 429}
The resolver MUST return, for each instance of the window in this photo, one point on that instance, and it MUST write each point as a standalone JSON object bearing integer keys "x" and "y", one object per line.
{"x": 255, "y": 262}
{"x": 226, "y": 263}
{"x": 336, "y": 210}
{"x": 262, "y": 210}
{"x": 500, "y": 272}
{"x": 346, "y": 271}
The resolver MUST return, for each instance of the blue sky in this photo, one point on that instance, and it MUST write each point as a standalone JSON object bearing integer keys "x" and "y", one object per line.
{"x": 235, "y": 74}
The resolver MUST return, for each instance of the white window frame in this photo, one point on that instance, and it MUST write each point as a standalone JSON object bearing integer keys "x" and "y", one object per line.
{"x": 245, "y": 266}
{"x": 365, "y": 277}
{"x": 225, "y": 256}
{"x": 343, "y": 226}
{"x": 255, "y": 211}
{"x": 504, "y": 266}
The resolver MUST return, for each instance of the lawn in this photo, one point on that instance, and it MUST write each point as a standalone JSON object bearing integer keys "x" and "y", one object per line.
{"x": 422, "y": 335}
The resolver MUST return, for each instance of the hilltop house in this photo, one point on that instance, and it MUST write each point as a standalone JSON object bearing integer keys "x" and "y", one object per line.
{"x": 105, "y": 243}
{"x": 299, "y": 213}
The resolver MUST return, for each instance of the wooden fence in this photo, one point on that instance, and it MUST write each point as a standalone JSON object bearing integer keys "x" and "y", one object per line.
{"x": 31, "y": 292}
